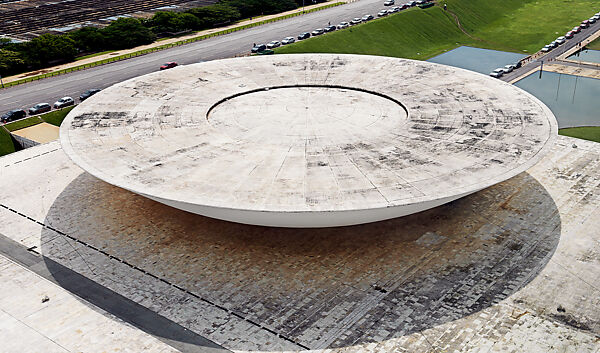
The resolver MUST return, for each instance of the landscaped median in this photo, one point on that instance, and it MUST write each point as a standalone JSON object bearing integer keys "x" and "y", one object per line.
{"x": 170, "y": 45}
{"x": 6, "y": 142}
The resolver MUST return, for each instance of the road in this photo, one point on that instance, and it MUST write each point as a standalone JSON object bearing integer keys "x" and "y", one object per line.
{"x": 551, "y": 55}
{"x": 73, "y": 84}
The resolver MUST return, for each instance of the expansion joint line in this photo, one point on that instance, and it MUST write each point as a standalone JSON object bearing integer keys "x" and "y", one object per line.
{"x": 208, "y": 301}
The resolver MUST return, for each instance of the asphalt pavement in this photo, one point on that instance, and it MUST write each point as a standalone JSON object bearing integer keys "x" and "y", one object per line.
{"x": 73, "y": 84}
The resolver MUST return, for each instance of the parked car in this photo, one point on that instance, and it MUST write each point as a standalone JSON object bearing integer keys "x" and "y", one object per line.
{"x": 382, "y": 13}
{"x": 303, "y": 35}
{"x": 497, "y": 73}
{"x": 258, "y": 48}
{"x": 87, "y": 94}
{"x": 355, "y": 21}
{"x": 560, "y": 40}
{"x": 569, "y": 34}
{"x": 13, "y": 115}
{"x": 411, "y": 3}
{"x": 395, "y": 9}
{"x": 546, "y": 48}
{"x": 576, "y": 29}
{"x": 169, "y": 65}
{"x": 508, "y": 68}
{"x": 596, "y": 17}
{"x": 39, "y": 108}
{"x": 366, "y": 18}
{"x": 584, "y": 24}
{"x": 330, "y": 28}
{"x": 288, "y": 40}
{"x": 63, "y": 102}
{"x": 273, "y": 44}
{"x": 404, "y": 6}
{"x": 317, "y": 32}
{"x": 343, "y": 25}
{"x": 592, "y": 19}
{"x": 388, "y": 3}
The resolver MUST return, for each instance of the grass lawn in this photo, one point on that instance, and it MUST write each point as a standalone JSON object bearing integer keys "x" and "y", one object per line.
{"x": 21, "y": 124}
{"x": 595, "y": 45}
{"x": 93, "y": 55}
{"x": 56, "y": 117}
{"x": 591, "y": 133}
{"x": 523, "y": 26}
{"x": 6, "y": 144}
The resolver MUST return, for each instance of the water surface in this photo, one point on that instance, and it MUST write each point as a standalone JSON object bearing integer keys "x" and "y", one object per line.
{"x": 588, "y": 55}
{"x": 574, "y": 100}
{"x": 475, "y": 59}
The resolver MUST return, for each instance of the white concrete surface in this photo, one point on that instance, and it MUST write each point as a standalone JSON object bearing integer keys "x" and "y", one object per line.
{"x": 512, "y": 268}
{"x": 308, "y": 140}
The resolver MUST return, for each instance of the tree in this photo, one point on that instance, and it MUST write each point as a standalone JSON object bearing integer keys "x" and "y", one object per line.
{"x": 127, "y": 33}
{"x": 211, "y": 15}
{"x": 88, "y": 39}
{"x": 168, "y": 21}
{"x": 49, "y": 48}
{"x": 10, "y": 62}
{"x": 250, "y": 8}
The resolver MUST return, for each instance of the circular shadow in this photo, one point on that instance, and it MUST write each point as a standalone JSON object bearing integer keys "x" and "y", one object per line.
{"x": 323, "y": 288}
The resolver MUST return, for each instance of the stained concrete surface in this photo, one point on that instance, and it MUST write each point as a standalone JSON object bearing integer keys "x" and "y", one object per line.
{"x": 308, "y": 140}
{"x": 512, "y": 268}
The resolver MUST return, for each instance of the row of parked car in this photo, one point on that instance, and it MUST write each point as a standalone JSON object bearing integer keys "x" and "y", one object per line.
{"x": 39, "y": 108}
{"x": 258, "y": 48}
{"x": 570, "y": 34}
{"x": 499, "y": 72}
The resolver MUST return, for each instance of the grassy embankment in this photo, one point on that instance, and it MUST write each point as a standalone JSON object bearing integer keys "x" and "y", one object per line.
{"x": 54, "y": 117}
{"x": 591, "y": 133}
{"x": 522, "y": 26}
{"x": 595, "y": 45}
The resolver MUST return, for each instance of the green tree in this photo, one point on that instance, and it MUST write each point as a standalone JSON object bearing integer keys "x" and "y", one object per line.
{"x": 49, "y": 48}
{"x": 209, "y": 16}
{"x": 88, "y": 39}
{"x": 250, "y": 8}
{"x": 168, "y": 21}
{"x": 10, "y": 62}
{"x": 127, "y": 33}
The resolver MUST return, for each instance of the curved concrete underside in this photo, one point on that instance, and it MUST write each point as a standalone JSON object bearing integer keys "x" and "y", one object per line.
{"x": 308, "y": 140}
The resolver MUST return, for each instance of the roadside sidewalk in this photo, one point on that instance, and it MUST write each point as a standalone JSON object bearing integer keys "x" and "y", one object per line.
{"x": 164, "y": 42}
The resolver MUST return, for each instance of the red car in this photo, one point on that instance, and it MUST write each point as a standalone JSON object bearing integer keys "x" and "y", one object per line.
{"x": 168, "y": 65}
{"x": 584, "y": 24}
{"x": 569, "y": 34}
{"x": 576, "y": 29}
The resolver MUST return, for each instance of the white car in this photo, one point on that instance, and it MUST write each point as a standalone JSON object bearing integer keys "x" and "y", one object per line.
{"x": 355, "y": 21}
{"x": 288, "y": 40}
{"x": 388, "y": 3}
{"x": 560, "y": 40}
{"x": 63, "y": 102}
{"x": 382, "y": 13}
{"x": 366, "y": 18}
{"x": 395, "y": 9}
{"x": 343, "y": 25}
{"x": 273, "y": 44}
{"x": 546, "y": 48}
{"x": 508, "y": 68}
{"x": 318, "y": 32}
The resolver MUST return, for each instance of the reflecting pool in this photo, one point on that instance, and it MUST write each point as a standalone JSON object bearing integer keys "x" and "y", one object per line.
{"x": 588, "y": 55}
{"x": 480, "y": 60}
{"x": 574, "y": 100}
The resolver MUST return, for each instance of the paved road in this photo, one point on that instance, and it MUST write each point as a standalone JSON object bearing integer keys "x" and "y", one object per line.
{"x": 550, "y": 56}
{"x": 73, "y": 84}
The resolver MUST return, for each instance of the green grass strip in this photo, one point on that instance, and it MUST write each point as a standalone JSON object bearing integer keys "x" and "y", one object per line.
{"x": 23, "y": 123}
{"x": 6, "y": 143}
{"x": 56, "y": 117}
{"x": 165, "y": 46}
{"x": 590, "y": 133}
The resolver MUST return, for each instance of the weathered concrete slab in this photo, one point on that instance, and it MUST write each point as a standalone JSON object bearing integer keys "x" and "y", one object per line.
{"x": 308, "y": 140}
{"x": 512, "y": 268}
